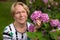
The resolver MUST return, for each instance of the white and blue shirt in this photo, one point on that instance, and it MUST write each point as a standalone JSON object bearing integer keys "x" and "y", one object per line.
{"x": 10, "y": 33}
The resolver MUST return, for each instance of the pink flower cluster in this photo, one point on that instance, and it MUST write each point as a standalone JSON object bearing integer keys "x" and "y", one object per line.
{"x": 38, "y": 14}
{"x": 54, "y": 22}
{"x": 59, "y": 25}
{"x": 35, "y": 15}
{"x": 44, "y": 17}
{"x": 31, "y": 28}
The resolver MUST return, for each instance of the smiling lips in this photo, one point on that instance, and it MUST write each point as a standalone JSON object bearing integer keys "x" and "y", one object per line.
{"x": 22, "y": 18}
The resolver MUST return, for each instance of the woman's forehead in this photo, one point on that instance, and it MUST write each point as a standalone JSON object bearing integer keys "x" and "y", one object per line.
{"x": 19, "y": 7}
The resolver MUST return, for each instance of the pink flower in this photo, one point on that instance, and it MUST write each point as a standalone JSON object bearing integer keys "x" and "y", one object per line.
{"x": 59, "y": 25}
{"x": 53, "y": 30}
{"x": 31, "y": 28}
{"x": 35, "y": 15}
{"x": 54, "y": 22}
{"x": 56, "y": 3}
{"x": 39, "y": 15}
{"x": 58, "y": 37}
{"x": 45, "y": 1}
{"x": 44, "y": 17}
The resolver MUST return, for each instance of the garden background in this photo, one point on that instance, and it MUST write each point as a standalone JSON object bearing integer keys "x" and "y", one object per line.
{"x": 50, "y": 7}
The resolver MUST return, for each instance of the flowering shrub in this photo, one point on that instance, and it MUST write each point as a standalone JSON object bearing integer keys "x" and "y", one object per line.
{"x": 47, "y": 31}
{"x": 50, "y": 9}
{"x": 55, "y": 33}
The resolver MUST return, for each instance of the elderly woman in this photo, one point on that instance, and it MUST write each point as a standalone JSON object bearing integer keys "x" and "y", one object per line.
{"x": 17, "y": 30}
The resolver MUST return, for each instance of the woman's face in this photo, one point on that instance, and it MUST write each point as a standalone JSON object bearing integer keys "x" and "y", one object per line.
{"x": 20, "y": 15}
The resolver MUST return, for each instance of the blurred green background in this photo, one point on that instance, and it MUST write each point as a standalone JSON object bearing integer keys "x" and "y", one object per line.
{"x": 5, "y": 16}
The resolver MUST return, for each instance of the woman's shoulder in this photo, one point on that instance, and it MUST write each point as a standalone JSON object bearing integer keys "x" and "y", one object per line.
{"x": 7, "y": 28}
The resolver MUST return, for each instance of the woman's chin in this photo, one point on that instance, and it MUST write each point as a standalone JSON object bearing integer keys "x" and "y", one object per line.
{"x": 22, "y": 22}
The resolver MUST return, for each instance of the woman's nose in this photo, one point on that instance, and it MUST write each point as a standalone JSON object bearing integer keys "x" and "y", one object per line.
{"x": 21, "y": 14}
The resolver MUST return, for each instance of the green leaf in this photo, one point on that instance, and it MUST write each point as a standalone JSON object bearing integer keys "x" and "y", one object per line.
{"x": 31, "y": 34}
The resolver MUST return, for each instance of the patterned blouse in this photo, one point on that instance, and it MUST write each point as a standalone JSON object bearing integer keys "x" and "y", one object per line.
{"x": 10, "y": 33}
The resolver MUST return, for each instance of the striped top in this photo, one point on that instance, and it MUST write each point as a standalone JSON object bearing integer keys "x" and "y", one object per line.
{"x": 10, "y": 33}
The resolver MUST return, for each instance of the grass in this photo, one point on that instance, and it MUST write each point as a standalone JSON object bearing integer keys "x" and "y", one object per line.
{"x": 5, "y": 16}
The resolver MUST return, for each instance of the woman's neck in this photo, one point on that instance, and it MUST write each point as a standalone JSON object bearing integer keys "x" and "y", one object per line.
{"x": 19, "y": 25}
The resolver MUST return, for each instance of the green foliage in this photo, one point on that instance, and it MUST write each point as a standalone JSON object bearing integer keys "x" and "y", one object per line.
{"x": 55, "y": 35}
{"x": 53, "y": 11}
{"x": 39, "y": 35}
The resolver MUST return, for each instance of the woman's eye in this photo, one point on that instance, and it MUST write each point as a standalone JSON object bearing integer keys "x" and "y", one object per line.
{"x": 23, "y": 12}
{"x": 18, "y": 12}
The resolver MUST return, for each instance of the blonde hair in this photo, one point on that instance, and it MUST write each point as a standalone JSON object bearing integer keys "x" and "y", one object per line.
{"x": 19, "y": 3}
